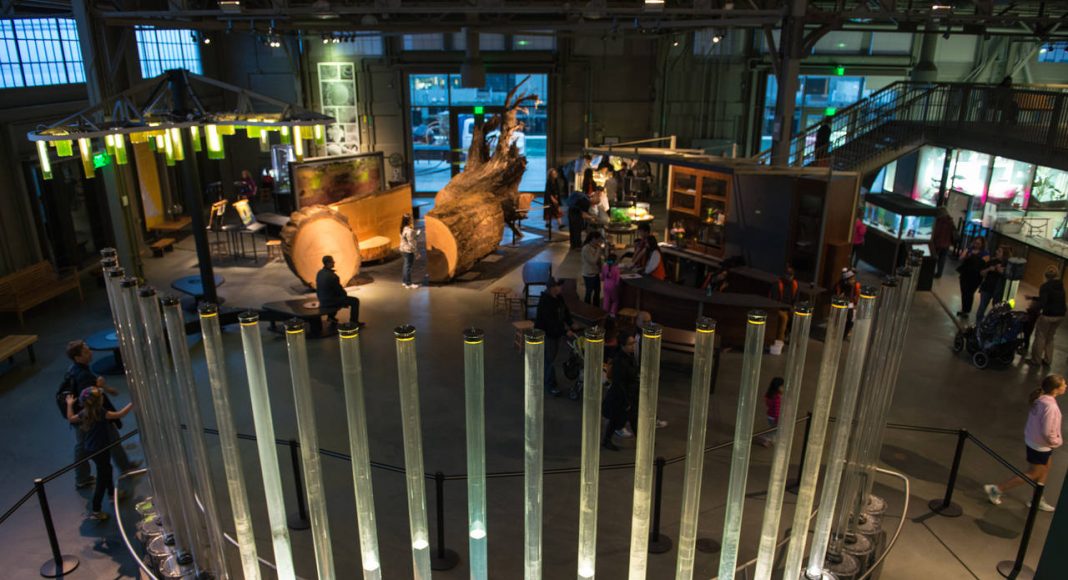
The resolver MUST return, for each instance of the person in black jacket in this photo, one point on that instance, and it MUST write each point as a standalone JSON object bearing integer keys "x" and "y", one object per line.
{"x": 621, "y": 400}
{"x": 1052, "y": 308}
{"x": 331, "y": 293}
{"x": 554, "y": 318}
{"x": 555, "y": 194}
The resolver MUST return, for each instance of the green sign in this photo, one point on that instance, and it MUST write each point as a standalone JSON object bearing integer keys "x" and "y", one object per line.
{"x": 101, "y": 160}
{"x": 839, "y": 70}
{"x": 830, "y": 111}
{"x": 479, "y": 110}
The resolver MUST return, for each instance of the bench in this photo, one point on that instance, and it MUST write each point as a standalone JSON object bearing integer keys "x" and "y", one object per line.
{"x": 162, "y": 245}
{"x": 374, "y": 249}
{"x": 15, "y": 343}
{"x": 306, "y": 309}
{"x": 587, "y": 314}
{"x": 28, "y": 287}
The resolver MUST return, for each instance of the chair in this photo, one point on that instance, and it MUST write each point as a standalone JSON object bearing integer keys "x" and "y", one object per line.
{"x": 521, "y": 327}
{"x": 274, "y": 250}
{"x": 501, "y": 294}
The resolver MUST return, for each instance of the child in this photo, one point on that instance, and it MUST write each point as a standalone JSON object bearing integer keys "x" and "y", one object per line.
{"x": 773, "y": 402}
{"x": 93, "y": 421}
{"x": 610, "y": 278}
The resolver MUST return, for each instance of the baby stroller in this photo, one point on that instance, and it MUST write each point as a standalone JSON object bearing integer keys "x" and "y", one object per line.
{"x": 573, "y": 366}
{"x": 997, "y": 338}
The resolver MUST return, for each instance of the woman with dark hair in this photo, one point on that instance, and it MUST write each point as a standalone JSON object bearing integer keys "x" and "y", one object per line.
{"x": 555, "y": 192}
{"x": 972, "y": 261}
{"x": 407, "y": 249}
{"x": 993, "y": 285}
{"x": 1042, "y": 435}
{"x": 654, "y": 265}
{"x": 93, "y": 421}
{"x": 592, "y": 250}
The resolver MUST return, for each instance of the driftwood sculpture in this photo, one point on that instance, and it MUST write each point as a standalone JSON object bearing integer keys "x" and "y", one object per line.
{"x": 470, "y": 212}
{"x": 317, "y": 231}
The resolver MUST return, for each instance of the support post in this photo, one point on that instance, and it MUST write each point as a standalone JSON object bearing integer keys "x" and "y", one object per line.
{"x": 60, "y": 564}
{"x": 945, "y": 506}
{"x": 1013, "y": 569}
{"x": 299, "y": 520}
{"x": 442, "y": 558}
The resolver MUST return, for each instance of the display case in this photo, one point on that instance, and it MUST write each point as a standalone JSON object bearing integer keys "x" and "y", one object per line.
{"x": 895, "y": 223}
{"x": 698, "y": 207}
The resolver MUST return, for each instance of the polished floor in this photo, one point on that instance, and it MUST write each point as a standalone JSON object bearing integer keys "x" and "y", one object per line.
{"x": 936, "y": 388}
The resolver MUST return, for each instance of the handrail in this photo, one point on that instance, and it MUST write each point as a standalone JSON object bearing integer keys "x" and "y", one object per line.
{"x": 900, "y": 522}
{"x": 122, "y": 529}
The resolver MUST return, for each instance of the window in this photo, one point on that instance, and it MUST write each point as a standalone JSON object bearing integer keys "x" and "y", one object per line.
{"x": 39, "y": 51}
{"x": 486, "y": 41}
{"x": 433, "y": 41}
{"x": 891, "y": 43}
{"x": 1053, "y": 52}
{"x": 840, "y": 42}
{"x": 542, "y": 41}
{"x": 161, "y": 50}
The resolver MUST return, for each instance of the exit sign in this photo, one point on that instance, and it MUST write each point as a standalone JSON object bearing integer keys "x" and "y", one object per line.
{"x": 479, "y": 110}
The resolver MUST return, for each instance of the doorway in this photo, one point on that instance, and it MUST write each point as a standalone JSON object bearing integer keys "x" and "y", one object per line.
{"x": 443, "y": 116}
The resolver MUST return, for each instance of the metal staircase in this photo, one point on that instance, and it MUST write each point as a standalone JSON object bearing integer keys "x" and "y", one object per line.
{"x": 1022, "y": 123}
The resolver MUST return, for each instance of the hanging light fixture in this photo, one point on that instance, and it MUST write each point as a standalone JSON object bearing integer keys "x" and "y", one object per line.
{"x": 194, "y": 136}
{"x": 215, "y": 143}
{"x": 85, "y": 149}
{"x": 42, "y": 155}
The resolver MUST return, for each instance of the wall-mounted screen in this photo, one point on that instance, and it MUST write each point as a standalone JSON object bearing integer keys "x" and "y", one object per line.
{"x": 326, "y": 180}
{"x": 1010, "y": 182}
{"x": 970, "y": 171}
{"x": 1050, "y": 189}
{"x": 929, "y": 174}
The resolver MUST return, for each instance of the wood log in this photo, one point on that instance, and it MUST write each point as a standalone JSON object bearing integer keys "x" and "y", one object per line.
{"x": 461, "y": 232}
{"x": 317, "y": 231}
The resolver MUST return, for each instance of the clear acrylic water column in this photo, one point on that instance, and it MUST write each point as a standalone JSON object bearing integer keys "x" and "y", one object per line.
{"x": 533, "y": 450}
{"x": 648, "y": 393}
{"x": 474, "y": 404}
{"x": 408, "y": 379}
{"x": 593, "y": 357}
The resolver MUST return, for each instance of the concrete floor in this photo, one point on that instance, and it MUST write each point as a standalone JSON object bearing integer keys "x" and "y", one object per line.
{"x": 936, "y": 388}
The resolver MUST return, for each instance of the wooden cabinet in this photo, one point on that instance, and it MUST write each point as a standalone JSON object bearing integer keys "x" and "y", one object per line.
{"x": 699, "y": 203}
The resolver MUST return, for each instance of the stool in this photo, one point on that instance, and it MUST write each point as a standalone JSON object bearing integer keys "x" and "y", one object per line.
{"x": 274, "y": 250}
{"x": 627, "y": 316}
{"x": 521, "y": 327}
{"x": 501, "y": 295}
{"x": 516, "y": 308}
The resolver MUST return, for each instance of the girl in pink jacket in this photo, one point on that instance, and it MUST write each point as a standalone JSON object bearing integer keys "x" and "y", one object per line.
{"x": 610, "y": 286}
{"x": 1042, "y": 434}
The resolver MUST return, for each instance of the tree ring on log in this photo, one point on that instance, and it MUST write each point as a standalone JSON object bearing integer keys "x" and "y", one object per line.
{"x": 317, "y": 231}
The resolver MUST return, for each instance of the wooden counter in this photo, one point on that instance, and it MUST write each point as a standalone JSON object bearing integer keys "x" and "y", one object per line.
{"x": 676, "y": 306}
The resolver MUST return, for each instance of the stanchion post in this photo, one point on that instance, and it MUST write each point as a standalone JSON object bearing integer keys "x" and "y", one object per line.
{"x": 299, "y": 520}
{"x": 442, "y": 558}
{"x": 1013, "y": 569}
{"x": 60, "y": 564}
{"x": 945, "y": 506}
{"x": 658, "y": 543}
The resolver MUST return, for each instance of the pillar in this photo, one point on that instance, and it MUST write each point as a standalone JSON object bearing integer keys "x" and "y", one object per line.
{"x": 791, "y": 51}
{"x": 926, "y": 71}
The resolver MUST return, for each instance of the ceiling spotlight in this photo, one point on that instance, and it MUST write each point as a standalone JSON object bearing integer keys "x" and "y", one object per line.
{"x": 325, "y": 40}
{"x": 207, "y": 39}
{"x": 230, "y": 5}
{"x": 654, "y": 5}
{"x": 716, "y": 38}
{"x": 675, "y": 43}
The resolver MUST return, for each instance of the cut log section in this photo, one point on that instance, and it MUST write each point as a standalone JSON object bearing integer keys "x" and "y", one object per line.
{"x": 317, "y": 231}
{"x": 461, "y": 232}
{"x": 374, "y": 249}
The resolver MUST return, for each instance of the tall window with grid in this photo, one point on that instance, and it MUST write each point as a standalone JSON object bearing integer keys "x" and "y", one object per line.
{"x": 39, "y": 51}
{"x": 165, "y": 49}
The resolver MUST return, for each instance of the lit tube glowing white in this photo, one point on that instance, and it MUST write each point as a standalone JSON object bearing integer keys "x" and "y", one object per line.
{"x": 743, "y": 442}
{"x": 252, "y": 344}
{"x": 474, "y": 396}
{"x": 352, "y": 370}
{"x": 309, "y": 448}
{"x": 784, "y": 440}
{"x": 593, "y": 357}
{"x": 648, "y": 393}
{"x": 408, "y": 378}
{"x": 231, "y": 455}
{"x": 700, "y": 385}
{"x": 533, "y": 450}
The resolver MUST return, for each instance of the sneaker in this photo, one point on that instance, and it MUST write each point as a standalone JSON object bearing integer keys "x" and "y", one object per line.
{"x": 98, "y": 516}
{"x": 412, "y": 286}
{"x": 624, "y": 433}
{"x": 1042, "y": 505}
{"x": 660, "y": 423}
{"x": 993, "y": 494}
{"x": 87, "y": 483}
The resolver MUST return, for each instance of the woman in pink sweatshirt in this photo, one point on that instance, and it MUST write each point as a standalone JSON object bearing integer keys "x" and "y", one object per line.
{"x": 610, "y": 283}
{"x": 1042, "y": 434}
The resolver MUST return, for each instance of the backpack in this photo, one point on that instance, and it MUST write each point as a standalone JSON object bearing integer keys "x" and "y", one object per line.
{"x": 66, "y": 388}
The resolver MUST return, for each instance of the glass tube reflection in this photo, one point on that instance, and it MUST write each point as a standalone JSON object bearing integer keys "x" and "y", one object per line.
{"x": 648, "y": 393}
{"x": 408, "y": 379}
{"x": 533, "y": 450}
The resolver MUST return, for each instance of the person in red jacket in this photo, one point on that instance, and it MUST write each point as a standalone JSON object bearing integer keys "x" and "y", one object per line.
{"x": 942, "y": 239}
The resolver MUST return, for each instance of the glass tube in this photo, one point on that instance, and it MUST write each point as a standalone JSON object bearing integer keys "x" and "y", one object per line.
{"x": 252, "y": 344}
{"x": 593, "y": 361}
{"x": 352, "y": 374}
{"x": 408, "y": 379}
{"x": 231, "y": 454}
{"x": 743, "y": 442}
{"x": 533, "y": 450}
{"x": 810, "y": 470}
{"x": 832, "y": 477}
{"x": 700, "y": 387}
{"x": 214, "y": 559}
{"x": 474, "y": 395}
{"x": 648, "y": 394}
{"x": 307, "y": 429}
{"x": 784, "y": 440}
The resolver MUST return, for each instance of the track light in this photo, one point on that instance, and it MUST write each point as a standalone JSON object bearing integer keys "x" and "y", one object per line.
{"x": 207, "y": 39}
{"x": 716, "y": 38}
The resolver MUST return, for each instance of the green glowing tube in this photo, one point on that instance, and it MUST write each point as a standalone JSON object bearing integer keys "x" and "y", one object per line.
{"x": 231, "y": 454}
{"x": 407, "y": 376}
{"x": 743, "y": 441}
{"x": 252, "y": 343}
{"x": 593, "y": 356}
{"x": 784, "y": 440}
{"x": 309, "y": 447}
{"x": 42, "y": 156}
{"x": 700, "y": 386}
{"x": 648, "y": 393}
{"x": 474, "y": 395}
{"x": 534, "y": 450}
{"x": 352, "y": 370}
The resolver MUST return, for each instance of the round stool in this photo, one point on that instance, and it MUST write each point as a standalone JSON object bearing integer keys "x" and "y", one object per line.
{"x": 521, "y": 327}
{"x": 274, "y": 250}
{"x": 627, "y": 316}
{"x": 500, "y": 299}
{"x": 516, "y": 307}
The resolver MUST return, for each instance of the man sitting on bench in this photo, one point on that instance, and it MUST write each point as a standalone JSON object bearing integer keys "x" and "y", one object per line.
{"x": 331, "y": 293}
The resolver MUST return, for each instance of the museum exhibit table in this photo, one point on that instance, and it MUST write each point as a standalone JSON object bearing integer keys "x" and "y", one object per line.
{"x": 676, "y": 306}
{"x": 895, "y": 224}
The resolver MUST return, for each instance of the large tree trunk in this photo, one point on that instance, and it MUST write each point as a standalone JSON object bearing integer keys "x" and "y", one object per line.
{"x": 459, "y": 233}
{"x": 317, "y": 231}
{"x": 469, "y": 213}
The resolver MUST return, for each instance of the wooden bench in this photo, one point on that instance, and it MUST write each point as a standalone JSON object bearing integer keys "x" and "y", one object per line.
{"x": 28, "y": 287}
{"x": 587, "y": 314}
{"x": 374, "y": 249}
{"x": 15, "y": 343}
{"x": 306, "y": 309}
{"x": 162, "y": 245}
